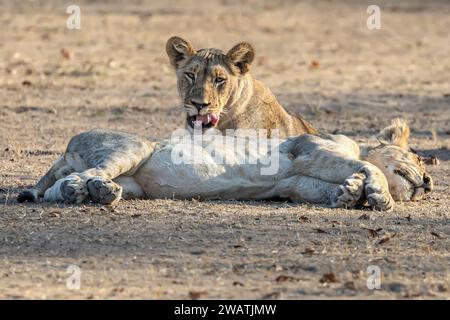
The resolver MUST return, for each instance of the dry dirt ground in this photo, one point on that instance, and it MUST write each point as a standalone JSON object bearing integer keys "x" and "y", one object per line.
{"x": 319, "y": 59}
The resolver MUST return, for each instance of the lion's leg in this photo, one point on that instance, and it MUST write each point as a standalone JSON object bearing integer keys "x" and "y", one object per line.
{"x": 59, "y": 170}
{"x": 335, "y": 168}
{"x": 92, "y": 184}
{"x": 97, "y": 157}
{"x": 70, "y": 189}
{"x": 313, "y": 190}
{"x": 130, "y": 188}
{"x": 74, "y": 189}
{"x": 376, "y": 188}
{"x": 349, "y": 193}
{"x": 106, "y": 191}
{"x": 105, "y": 182}
{"x": 307, "y": 189}
{"x": 100, "y": 187}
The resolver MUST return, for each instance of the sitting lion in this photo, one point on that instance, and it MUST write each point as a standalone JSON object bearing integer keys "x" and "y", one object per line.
{"x": 217, "y": 90}
{"x": 104, "y": 166}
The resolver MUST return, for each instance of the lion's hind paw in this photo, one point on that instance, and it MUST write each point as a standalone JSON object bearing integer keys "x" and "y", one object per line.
{"x": 73, "y": 189}
{"x": 104, "y": 191}
{"x": 350, "y": 192}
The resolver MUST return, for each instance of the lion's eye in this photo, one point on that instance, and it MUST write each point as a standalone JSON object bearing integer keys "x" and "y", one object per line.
{"x": 400, "y": 173}
{"x": 190, "y": 75}
{"x": 219, "y": 80}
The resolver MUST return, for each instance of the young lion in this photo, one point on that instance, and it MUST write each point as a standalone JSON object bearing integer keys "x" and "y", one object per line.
{"x": 332, "y": 170}
{"x": 217, "y": 90}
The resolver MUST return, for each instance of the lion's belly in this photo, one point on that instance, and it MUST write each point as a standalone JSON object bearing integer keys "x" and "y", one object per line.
{"x": 162, "y": 177}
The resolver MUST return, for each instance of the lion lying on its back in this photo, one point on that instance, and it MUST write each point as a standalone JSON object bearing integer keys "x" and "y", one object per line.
{"x": 105, "y": 166}
{"x": 218, "y": 90}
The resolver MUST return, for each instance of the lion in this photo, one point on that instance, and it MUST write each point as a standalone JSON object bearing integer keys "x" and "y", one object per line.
{"x": 217, "y": 90}
{"x": 104, "y": 166}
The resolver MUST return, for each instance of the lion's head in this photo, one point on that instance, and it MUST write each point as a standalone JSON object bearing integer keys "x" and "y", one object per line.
{"x": 403, "y": 168}
{"x": 208, "y": 79}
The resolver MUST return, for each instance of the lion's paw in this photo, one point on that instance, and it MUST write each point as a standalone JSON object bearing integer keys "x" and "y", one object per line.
{"x": 104, "y": 191}
{"x": 350, "y": 191}
{"x": 378, "y": 198}
{"x": 73, "y": 189}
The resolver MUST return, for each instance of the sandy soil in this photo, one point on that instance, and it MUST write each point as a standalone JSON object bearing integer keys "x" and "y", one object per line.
{"x": 319, "y": 59}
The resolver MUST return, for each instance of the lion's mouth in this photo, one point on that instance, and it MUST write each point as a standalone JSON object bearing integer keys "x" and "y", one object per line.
{"x": 204, "y": 121}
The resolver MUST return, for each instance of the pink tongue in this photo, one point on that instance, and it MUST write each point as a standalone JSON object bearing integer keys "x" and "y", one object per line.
{"x": 207, "y": 118}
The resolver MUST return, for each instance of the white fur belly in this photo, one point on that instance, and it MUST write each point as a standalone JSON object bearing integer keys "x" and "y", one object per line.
{"x": 223, "y": 175}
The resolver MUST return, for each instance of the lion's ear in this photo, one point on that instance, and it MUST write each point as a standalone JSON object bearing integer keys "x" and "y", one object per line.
{"x": 396, "y": 134}
{"x": 179, "y": 51}
{"x": 241, "y": 56}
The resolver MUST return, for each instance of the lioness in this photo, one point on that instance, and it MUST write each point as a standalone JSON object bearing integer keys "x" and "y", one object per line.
{"x": 104, "y": 166}
{"x": 217, "y": 90}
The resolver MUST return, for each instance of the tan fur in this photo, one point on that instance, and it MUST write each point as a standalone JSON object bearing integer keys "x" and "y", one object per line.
{"x": 241, "y": 101}
{"x": 408, "y": 179}
{"x": 396, "y": 134}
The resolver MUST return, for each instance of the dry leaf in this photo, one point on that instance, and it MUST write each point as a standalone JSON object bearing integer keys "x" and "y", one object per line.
{"x": 314, "y": 64}
{"x": 272, "y": 295}
{"x": 309, "y": 251}
{"x": 437, "y": 235}
{"x": 194, "y": 295}
{"x": 364, "y": 216}
{"x": 386, "y": 238}
{"x": 357, "y": 274}
{"x": 329, "y": 111}
{"x": 67, "y": 54}
{"x": 304, "y": 219}
{"x": 329, "y": 278}
{"x": 433, "y": 160}
{"x": 54, "y": 214}
{"x": 284, "y": 278}
{"x": 372, "y": 233}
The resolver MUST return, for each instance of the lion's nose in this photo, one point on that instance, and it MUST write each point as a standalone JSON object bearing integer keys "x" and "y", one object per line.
{"x": 427, "y": 183}
{"x": 199, "y": 104}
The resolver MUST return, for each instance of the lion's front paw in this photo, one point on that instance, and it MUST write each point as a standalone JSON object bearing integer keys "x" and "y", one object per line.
{"x": 350, "y": 191}
{"x": 73, "y": 189}
{"x": 104, "y": 191}
{"x": 378, "y": 198}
